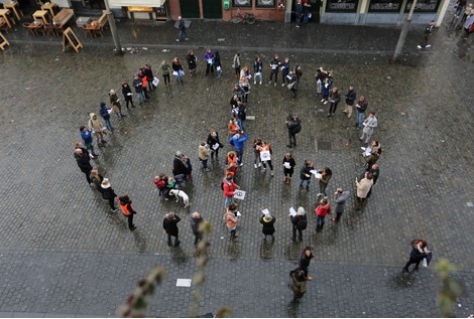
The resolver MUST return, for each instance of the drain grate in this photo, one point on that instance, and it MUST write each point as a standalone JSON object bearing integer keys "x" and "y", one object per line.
{"x": 324, "y": 145}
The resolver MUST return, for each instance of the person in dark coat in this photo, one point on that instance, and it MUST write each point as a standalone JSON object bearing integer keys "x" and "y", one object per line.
{"x": 83, "y": 161}
{"x": 170, "y": 225}
{"x": 350, "y": 98}
{"x": 305, "y": 174}
{"x": 180, "y": 170}
{"x": 293, "y": 125}
{"x": 305, "y": 260}
{"x": 127, "y": 94}
{"x": 108, "y": 193}
{"x": 196, "y": 221}
{"x": 419, "y": 251}
{"x": 214, "y": 142}
{"x": 268, "y": 228}
{"x": 299, "y": 222}
{"x": 97, "y": 179}
{"x": 149, "y": 76}
{"x": 299, "y": 284}
{"x": 288, "y": 167}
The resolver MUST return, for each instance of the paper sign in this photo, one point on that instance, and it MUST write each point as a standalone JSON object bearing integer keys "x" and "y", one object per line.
{"x": 215, "y": 146}
{"x": 239, "y": 194}
{"x": 292, "y": 211}
{"x": 316, "y": 174}
{"x": 129, "y": 94}
{"x": 109, "y": 111}
{"x": 266, "y": 211}
{"x": 183, "y": 283}
{"x": 265, "y": 156}
{"x": 287, "y": 165}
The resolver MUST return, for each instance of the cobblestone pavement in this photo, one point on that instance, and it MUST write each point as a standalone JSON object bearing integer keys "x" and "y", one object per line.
{"x": 63, "y": 253}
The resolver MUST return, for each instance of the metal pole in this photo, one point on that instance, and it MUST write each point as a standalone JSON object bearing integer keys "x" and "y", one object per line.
{"x": 113, "y": 29}
{"x": 403, "y": 33}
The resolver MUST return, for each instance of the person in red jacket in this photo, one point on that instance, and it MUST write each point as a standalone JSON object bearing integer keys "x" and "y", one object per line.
{"x": 229, "y": 187}
{"x": 321, "y": 211}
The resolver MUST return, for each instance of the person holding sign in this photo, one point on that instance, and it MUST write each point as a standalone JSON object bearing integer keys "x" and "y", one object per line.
{"x": 266, "y": 156}
{"x": 213, "y": 141}
{"x": 305, "y": 174}
{"x": 229, "y": 187}
{"x": 231, "y": 220}
{"x": 288, "y": 167}
{"x": 209, "y": 57}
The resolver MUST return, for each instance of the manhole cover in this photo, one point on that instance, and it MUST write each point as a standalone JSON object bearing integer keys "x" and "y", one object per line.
{"x": 324, "y": 145}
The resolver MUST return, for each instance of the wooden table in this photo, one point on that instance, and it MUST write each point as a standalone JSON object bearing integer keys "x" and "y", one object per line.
{"x": 4, "y": 14}
{"x": 42, "y": 15}
{"x": 49, "y": 6}
{"x": 34, "y": 26}
{"x": 63, "y": 17}
{"x": 13, "y": 5}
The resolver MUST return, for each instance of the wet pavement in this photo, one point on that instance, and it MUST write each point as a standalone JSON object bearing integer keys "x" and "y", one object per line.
{"x": 63, "y": 253}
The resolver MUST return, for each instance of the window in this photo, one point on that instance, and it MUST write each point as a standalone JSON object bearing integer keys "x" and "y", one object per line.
{"x": 342, "y": 5}
{"x": 265, "y": 4}
{"x": 242, "y": 3}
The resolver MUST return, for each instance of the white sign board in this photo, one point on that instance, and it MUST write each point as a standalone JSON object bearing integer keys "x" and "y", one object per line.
{"x": 239, "y": 194}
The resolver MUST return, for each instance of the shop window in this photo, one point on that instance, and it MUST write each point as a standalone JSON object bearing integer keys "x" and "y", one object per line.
{"x": 242, "y": 3}
{"x": 424, "y": 6}
{"x": 385, "y": 5}
{"x": 265, "y": 4}
{"x": 342, "y": 5}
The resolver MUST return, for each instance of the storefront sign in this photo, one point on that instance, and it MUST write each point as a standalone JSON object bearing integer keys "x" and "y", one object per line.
{"x": 385, "y": 5}
{"x": 424, "y": 6}
{"x": 342, "y": 5}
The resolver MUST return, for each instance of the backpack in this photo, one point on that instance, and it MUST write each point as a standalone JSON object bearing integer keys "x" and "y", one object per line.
{"x": 297, "y": 128}
{"x": 302, "y": 224}
{"x": 161, "y": 184}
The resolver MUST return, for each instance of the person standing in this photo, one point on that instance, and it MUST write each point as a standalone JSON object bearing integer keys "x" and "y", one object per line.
{"x": 196, "y": 222}
{"x": 340, "y": 198}
{"x": 245, "y": 85}
{"x": 182, "y": 30}
{"x": 217, "y": 64}
{"x": 321, "y": 211}
{"x": 299, "y": 12}
{"x": 97, "y": 180}
{"x": 326, "y": 175}
{"x": 334, "y": 99}
{"x": 268, "y": 228}
{"x": 419, "y": 251}
{"x": 204, "y": 153}
{"x": 191, "y": 58}
{"x": 361, "y": 106}
{"x": 326, "y": 88}
{"x": 209, "y": 57}
{"x": 304, "y": 261}
{"x": 181, "y": 167}
{"x": 86, "y": 136}
{"x": 426, "y": 35}
{"x": 265, "y": 151}
{"x": 95, "y": 125}
{"x": 299, "y": 222}
{"x": 177, "y": 70}
{"x": 370, "y": 124}
{"x": 127, "y": 95}
{"x": 170, "y": 225}
{"x": 285, "y": 71}
{"x": 229, "y": 187}
{"x": 138, "y": 85}
{"x": 149, "y": 77}
{"x": 127, "y": 210}
{"x": 293, "y": 83}
{"x": 236, "y": 64}
{"x": 83, "y": 161}
{"x": 288, "y": 167}
{"x": 293, "y": 124}
{"x": 232, "y": 220}
{"x": 115, "y": 102}
{"x": 104, "y": 113}
{"x": 298, "y": 284}
{"x": 242, "y": 115}
{"x": 350, "y": 98}
{"x": 375, "y": 171}
{"x": 274, "y": 65}
{"x": 257, "y": 70}
{"x": 238, "y": 141}
{"x": 319, "y": 77}
{"x": 108, "y": 194}
{"x": 305, "y": 174}
{"x": 165, "y": 72}
{"x": 213, "y": 141}
{"x": 363, "y": 187}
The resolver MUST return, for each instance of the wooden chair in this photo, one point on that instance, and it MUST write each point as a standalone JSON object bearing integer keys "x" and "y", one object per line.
{"x": 3, "y": 25}
{"x": 50, "y": 29}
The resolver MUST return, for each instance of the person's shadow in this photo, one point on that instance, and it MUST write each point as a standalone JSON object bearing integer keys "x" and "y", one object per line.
{"x": 140, "y": 241}
{"x": 293, "y": 308}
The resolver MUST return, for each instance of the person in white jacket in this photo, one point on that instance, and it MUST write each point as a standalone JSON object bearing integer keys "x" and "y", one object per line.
{"x": 370, "y": 124}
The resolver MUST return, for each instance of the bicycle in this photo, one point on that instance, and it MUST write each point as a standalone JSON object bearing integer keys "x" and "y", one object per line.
{"x": 245, "y": 18}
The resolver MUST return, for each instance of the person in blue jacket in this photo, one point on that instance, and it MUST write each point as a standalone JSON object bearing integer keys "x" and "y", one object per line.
{"x": 237, "y": 141}
{"x": 88, "y": 139}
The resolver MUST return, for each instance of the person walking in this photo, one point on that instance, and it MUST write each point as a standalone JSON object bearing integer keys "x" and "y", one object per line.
{"x": 326, "y": 175}
{"x": 182, "y": 30}
{"x": 204, "y": 153}
{"x": 165, "y": 72}
{"x": 274, "y": 66}
{"x": 299, "y": 12}
{"x": 86, "y": 136}
{"x": 232, "y": 220}
{"x": 334, "y": 98}
{"x": 95, "y": 125}
{"x": 293, "y": 83}
{"x": 257, "y": 70}
{"x": 426, "y": 35}
{"x": 298, "y": 284}
{"x": 115, "y": 102}
{"x": 268, "y": 228}
{"x": 236, "y": 64}
{"x": 299, "y": 223}
{"x": 83, "y": 159}
{"x": 340, "y": 198}
{"x": 419, "y": 251}
{"x": 370, "y": 123}
{"x": 97, "y": 180}
{"x": 209, "y": 57}
{"x": 265, "y": 151}
{"x": 177, "y": 70}
{"x": 293, "y": 124}
{"x": 237, "y": 141}
{"x": 196, "y": 222}
{"x": 288, "y": 167}
{"x": 361, "y": 106}
{"x": 192, "y": 65}
{"x": 138, "y": 85}
{"x": 127, "y": 210}
{"x": 214, "y": 142}
{"x": 217, "y": 64}
{"x": 108, "y": 194}
{"x": 229, "y": 187}
{"x": 305, "y": 174}
{"x": 304, "y": 261}
{"x": 363, "y": 187}
{"x": 351, "y": 95}
{"x": 127, "y": 95}
{"x": 170, "y": 225}
{"x": 104, "y": 113}
{"x": 321, "y": 211}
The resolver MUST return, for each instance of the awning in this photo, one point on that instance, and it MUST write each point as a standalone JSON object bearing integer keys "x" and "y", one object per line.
{"x": 137, "y": 3}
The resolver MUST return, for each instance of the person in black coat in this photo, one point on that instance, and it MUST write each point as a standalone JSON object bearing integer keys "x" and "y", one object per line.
{"x": 299, "y": 222}
{"x": 108, "y": 193}
{"x": 293, "y": 124}
{"x": 305, "y": 260}
{"x": 268, "y": 228}
{"x": 180, "y": 170}
{"x": 127, "y": 94}
{"x": 170, "y": 225}
{"x": 213, "y": 141}
{"x": 305, "y": 174}
{"x": 83, "y": 161}
{"x": 288, "y": 167}
{"x": 419, "y": 251}
{"x": 196, "y": 221}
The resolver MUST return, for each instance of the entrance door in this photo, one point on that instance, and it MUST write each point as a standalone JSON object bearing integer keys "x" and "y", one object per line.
{"x": 189, "y": 9}
{"x": 212, "y": 9}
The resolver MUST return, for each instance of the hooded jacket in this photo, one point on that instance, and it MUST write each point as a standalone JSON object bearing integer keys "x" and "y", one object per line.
{"x": 103, "y": 111}
{"x": 96, "y": 124}
{"x": 238, "y": 141}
